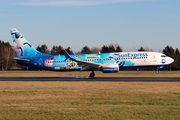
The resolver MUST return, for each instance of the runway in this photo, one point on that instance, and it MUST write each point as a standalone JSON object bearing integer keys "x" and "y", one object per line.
{"x": 111, "y": 79}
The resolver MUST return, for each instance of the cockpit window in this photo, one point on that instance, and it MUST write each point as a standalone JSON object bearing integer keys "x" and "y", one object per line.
{"x": 163, "y": 55}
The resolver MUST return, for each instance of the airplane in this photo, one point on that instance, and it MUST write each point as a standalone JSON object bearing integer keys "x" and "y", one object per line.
{"x": 105, "y": 62}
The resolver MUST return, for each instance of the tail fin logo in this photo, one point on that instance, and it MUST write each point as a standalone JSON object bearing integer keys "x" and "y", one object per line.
{"x": 24, "y": 49}
{"x": 18, "y": 39}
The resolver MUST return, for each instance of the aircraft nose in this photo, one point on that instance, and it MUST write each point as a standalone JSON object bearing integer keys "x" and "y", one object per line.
{"x": 170, "y": 60}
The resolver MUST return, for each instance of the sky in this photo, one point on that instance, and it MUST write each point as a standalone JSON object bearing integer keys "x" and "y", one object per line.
{"x": 153, "y": 24}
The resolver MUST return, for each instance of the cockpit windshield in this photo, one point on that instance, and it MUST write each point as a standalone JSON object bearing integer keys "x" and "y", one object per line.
{"x": 163, "y": 55}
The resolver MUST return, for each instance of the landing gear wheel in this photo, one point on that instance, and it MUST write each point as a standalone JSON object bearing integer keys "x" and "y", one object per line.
{"x": 157, "y": 71}
{"x": 91, "y": 75}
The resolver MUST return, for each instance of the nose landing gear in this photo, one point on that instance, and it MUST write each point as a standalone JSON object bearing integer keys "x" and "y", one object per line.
{"x": 157, "y": 71}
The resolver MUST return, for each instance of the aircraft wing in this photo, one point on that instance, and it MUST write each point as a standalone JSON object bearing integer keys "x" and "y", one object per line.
{"x": 84, "y": 64}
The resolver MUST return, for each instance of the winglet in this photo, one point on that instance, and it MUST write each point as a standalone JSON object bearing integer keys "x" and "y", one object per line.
{"x": 72, "y": 53}
{"x": 62, "y": 48}
{"x": 70, "y": 49}
{"x": 65, "y": 53}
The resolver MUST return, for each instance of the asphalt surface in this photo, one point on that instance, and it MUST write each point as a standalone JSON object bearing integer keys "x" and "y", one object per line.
{"x": 79, "y": 78}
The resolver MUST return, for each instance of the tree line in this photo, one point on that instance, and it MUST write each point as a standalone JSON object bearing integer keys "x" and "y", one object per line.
{"x": 56, "y": 50}
{"x": 7, "y": 52}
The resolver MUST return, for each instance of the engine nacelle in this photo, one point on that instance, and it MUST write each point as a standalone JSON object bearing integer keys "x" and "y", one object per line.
{"x": 111, "y": 68}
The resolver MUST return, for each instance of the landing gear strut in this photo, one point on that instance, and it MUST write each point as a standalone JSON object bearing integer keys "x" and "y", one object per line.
{"x": 91, "y": 75}
{"x": 157, "y": 71}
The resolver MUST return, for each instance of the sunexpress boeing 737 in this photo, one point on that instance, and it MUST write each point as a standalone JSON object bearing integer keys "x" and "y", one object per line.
{"x": 105, "y": 62}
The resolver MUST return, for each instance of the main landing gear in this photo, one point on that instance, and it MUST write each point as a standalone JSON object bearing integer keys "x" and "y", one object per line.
{"x": 91, "y": 75}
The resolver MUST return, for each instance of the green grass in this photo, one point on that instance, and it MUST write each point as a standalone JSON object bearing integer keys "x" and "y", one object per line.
{"x": 89, "y": 100}
{"x": 98, "y": 74}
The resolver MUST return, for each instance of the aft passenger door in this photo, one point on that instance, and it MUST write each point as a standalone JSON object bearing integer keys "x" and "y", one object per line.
{"x": 38, "y": 62}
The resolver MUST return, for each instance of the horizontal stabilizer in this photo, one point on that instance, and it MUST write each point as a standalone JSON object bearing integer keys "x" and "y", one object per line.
{"x": 18, "y": 59}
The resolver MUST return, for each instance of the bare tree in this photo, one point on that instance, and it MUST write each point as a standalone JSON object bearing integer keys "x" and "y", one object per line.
{"x": 147, "y": 49}
{"x": 79, "y": 52}
{"x": 7, "y": 53}
{"x": 95, "y": 50}
{"x": 2, "y": 58}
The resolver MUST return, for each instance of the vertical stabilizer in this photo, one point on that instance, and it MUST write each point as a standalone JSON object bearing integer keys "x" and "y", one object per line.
{"x": 23, "y": 48}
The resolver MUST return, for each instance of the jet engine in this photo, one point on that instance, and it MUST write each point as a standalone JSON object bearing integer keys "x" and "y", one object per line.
{"x": 111, "y": 68}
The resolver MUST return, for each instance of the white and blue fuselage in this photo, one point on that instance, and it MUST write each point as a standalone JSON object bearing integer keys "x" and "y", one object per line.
{"x": 122, "y": 59}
